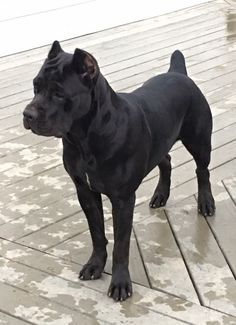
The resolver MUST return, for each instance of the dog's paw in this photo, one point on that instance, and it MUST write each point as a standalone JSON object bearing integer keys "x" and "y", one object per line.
{"x": 93, "y": 269}
{"x": 206, "y": 204}
{"x": 158, "y": 200}
{"x": 90, "y": 272}
{"x": 120, "y": 287}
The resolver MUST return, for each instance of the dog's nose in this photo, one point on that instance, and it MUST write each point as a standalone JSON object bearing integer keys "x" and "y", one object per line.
{"x": 30, "y": 113}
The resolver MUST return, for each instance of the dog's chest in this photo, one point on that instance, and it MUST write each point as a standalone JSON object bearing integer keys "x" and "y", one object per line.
{"x": 99, "y": 176}
{"x": 88, "y": 181}
{"x": 90, "y": 175}
{"x": 94, "y": 182}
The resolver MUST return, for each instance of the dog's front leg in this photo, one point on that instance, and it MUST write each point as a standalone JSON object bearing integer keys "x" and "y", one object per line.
{"x": 122, "y": 211}
{"x": 91, "y": 204}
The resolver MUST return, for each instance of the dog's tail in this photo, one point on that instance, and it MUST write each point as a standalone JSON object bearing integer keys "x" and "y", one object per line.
{"x": 177, "y": 63}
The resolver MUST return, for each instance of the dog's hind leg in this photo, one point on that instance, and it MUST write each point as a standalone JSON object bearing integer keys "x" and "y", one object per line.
{"x": 201, "y": 151}
{"x": 196, "y": 137}
{"x": 162, "y": 190}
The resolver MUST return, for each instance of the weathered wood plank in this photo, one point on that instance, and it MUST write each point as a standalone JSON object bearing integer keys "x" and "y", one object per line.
{"x": 11, "y": 133}
{"x": 161, "y": 255}
{"x": 219, "y": 81}
{"x": 57, "y": 180}
{"x": 15, "y": 89}
{"x": 195, "y": 63}
{"x": 13, "y": 112}
{"x": 142, "y": 67}
{"x": 14, "y": 109}
{"x": 216, "y": 94}
{"x": 190, "y": 187}
{"x": 218, "y": 107}
{"x": 215, "y": 91}
{"x": 151, "y": 299}
{"x": 78, "y": 249}
{"x": 16, "y": 99}
{"x": 158, "y": 32}
{"x": 36, "y": 195}
{"x": 223, "y": 224}
{"x": 6, "y": 319}
{"x": 19, "y": 207}
{"x": 213, "y": 278}
{"x": 65, "y": 296}
{"x": 14, "y": 75}
{"x": 230, "y": 185}
{"x": 114, "y": 33}
{"x": 189, "y": 45}
{"x": 118, "y": 43}
{"x": 32, "y": 222}
{"x": 38, "y": 310}
{"x": 224, "y": 119}
{"x": 32, "y": 168}
{"x": 197, "y": 49}
{"x": 215, "y": 71}
{"x": 19, "y": 143}
{"x": 201, "y": 76}
{"x": 10, "y": 122}
{"x": 27, "y": 94}
{"x": 131, "y": 50}
{"x": 60, "y": 231}
{"x": 208, "y": 85}
{"x": 28, "y": 155}
{"x": 125, "y": 44}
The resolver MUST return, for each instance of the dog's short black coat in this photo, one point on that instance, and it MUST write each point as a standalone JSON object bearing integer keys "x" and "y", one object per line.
{"x": 113, "y": 140}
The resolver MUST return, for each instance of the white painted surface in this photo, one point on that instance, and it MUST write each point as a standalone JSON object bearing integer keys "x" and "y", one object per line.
{"x": 27, "y": 24}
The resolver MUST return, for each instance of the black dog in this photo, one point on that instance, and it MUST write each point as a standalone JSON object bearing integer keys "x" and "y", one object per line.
{"x": 113, "y": 140}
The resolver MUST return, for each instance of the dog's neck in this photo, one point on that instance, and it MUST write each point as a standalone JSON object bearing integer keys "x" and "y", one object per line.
{"x": 95, "y": 132}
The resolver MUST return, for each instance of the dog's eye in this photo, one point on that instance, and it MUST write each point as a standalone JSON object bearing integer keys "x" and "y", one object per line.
{"x": 59, "y": 96}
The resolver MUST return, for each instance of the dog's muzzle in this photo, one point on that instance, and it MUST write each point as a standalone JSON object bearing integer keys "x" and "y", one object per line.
{"x": 30, "y": 116}
{"x": 26, "y": 123}
{"x": 38, "y": 124}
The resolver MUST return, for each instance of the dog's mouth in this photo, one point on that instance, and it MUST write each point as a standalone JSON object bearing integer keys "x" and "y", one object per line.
{"x": 38, "y": 129}
{"x": 26, "y": 123}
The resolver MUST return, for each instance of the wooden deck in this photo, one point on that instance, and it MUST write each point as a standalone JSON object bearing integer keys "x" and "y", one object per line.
{"x": 183, "y": 265}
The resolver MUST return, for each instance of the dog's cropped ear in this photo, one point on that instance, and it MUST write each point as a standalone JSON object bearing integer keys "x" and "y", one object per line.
{"x": 55, "y": 50}
{"x": 85, "y": 63}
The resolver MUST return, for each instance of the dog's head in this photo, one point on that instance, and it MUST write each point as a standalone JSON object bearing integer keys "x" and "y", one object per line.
{"x": 62, "y": 91}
